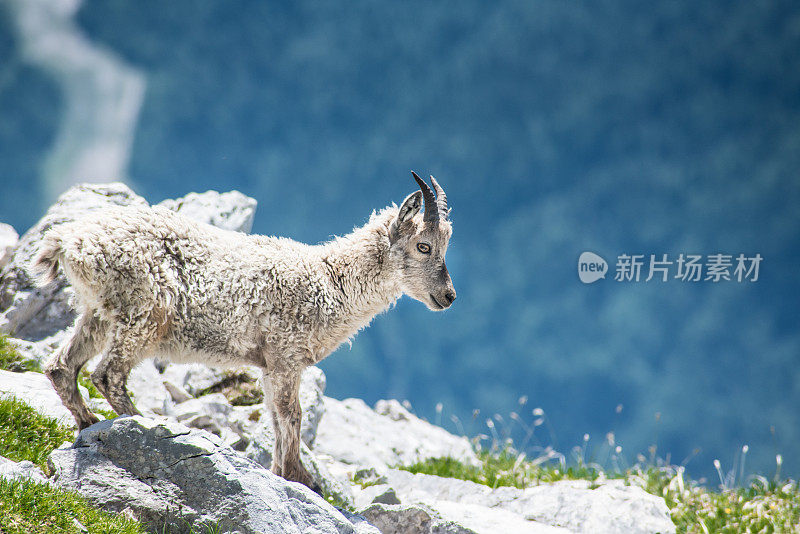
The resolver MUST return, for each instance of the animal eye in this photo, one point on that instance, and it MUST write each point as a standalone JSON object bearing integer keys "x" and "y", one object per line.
{"x": 424, "y": 248}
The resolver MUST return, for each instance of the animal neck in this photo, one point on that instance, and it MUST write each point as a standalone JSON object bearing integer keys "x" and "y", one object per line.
{"x": 363, "y": 281}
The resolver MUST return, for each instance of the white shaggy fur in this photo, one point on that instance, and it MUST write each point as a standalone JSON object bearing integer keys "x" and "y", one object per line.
{"x": 149, "y": 281}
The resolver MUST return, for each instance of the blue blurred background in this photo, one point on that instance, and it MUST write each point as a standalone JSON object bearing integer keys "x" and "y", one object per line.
{"x": 555, "y": 127}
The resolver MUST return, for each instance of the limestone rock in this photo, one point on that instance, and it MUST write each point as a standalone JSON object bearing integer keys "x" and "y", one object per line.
{"x": 147, "y": 387}
{"x": 378, "y": 493}
{"x": 164, "y": 471}
{"x": 451, "y": 518}
{"x": 196, "y": 378}
{"x": 612, "y": 507}
{"x": 575, "y": 505}
{"x": 229, "y": 211}
{"x": 260, "y": 449}
{"x": 20, "y": 470}
{"x": 353, "y": 433}
{"x": 8, "y": 240}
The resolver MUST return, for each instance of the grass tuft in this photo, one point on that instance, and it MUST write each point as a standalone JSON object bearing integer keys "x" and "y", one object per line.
{"x": 25, "y": 434}
{"x": 760, "y": 506}
{"x": 504, "y": 468}
{"x": 11, "y": 360}
{"x": 28, "y": 507}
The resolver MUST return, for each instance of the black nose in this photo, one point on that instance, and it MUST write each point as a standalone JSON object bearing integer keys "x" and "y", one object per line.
{"x": 450, "y": 296}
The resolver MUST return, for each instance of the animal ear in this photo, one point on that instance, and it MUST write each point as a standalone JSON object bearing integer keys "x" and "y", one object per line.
{"x": 410, "y": 207}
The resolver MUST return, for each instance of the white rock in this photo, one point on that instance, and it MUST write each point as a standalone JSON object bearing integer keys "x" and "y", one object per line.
{"x": 20, "y": 470}
{"x": 210, "y": 412}
{"x": 612, "y": 507}
{"x": 161, "y": 469}
{"x": 573, "y": 504}
{"x": 36, "y": 390}
{"x": 229, "y": 211}
{"x": 444, "y": 517}
{"x": 193, "y": 377}
{"x": 353, "y": 433}
{"x": 378, "y": 493}
{"x": 149, "y": 393}
{"x": 8, "y": 240}
{"x": 485, "y": 520}
{"x": 312, "y": 401}
{"x": 196, "y": 378}
{"x": 260, "y": 449}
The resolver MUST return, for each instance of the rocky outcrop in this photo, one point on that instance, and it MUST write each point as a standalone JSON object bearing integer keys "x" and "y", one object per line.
{"x": 164, "y": 471}
{"x": 443, "y": 517}
{"x": 8, "y": 240}
{"x": 229, "y": 211}
{"x": 353, "y": 433}
{"x": 195, "y": 379}
{"x": 577, "y": 505}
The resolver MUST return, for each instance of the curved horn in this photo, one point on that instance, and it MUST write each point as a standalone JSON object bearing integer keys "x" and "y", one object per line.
{"x": 431, "y": 214}
{"x": 441, "y": 199}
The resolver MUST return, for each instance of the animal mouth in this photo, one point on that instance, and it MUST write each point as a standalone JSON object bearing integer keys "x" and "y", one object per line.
{"x": 436, "y": 302}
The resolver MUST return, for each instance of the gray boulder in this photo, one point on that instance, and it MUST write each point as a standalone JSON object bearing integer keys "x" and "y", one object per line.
{"x": 33, "y": 313}
{"x": 8, "y": 240}
{"x": 229, "y": 211}
{"x": 165, "y": 472}
{"x": 353, "y": 433}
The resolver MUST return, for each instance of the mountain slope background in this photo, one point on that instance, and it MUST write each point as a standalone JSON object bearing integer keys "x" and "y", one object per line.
{"x": 615, "y": 127}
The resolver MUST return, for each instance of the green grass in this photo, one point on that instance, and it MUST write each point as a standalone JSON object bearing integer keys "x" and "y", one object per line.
{"x": 502, "y": 469}
{"x": 11, "y": 360}
{"x": 760, "y": 506}
{"x": 34, "y": 508}
{"x": 85, "y": 380}
{"x": 25, "y": 434}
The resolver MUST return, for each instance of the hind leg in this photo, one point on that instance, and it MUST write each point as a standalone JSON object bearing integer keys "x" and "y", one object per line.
{"x": 63, "y": 367}
{"x": 126, "y": 349}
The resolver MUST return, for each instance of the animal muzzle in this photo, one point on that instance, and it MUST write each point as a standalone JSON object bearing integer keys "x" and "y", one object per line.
{"x": 443, "y": 299}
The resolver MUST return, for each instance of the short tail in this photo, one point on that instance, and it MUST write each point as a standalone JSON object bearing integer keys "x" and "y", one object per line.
{"x": 45, "y": 264}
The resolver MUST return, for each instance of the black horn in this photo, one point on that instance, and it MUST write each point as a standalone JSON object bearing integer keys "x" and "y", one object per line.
{"x": 441, "y": 199}
{"x": 431, "y": 214}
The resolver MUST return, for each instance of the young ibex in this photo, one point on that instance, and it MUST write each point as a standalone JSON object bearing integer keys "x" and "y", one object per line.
{"x": 152, "y": 282}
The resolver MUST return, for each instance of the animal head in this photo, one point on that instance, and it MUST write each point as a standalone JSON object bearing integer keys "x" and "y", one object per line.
{"x": 419, "y": 244}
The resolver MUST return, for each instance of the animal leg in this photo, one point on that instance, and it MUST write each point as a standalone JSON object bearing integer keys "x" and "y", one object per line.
{"x": 286, "y": 398}
{"x": 63, "y": 367}
{"x": 111, "y": 375}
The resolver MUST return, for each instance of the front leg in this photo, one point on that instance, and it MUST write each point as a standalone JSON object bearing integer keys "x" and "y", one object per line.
{"x": 282, "y": 388}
